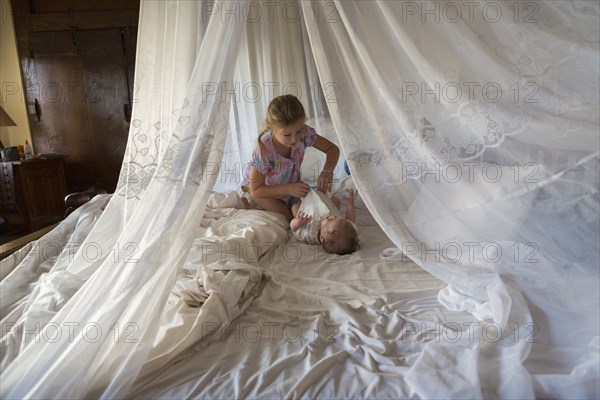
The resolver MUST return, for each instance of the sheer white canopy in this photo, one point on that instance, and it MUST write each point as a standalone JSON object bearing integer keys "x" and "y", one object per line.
{"x": 471, "y": 133}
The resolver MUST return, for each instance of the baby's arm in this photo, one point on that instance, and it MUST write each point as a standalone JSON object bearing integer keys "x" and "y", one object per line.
{"x": 300, "y": 221}
{"x": 336, "y": 201}
{"x": 350, "y": 209}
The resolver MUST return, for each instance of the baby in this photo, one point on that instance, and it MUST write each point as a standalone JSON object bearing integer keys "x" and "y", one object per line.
{"x": 317, "y": 220}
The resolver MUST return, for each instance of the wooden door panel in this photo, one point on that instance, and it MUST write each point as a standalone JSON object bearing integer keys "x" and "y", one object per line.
{"x": 104, "y": 77}
{"x": 55, "y": 76}
{"x": 80, "y": 80}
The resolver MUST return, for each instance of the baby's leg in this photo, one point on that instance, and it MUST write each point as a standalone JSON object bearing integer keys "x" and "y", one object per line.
{"x": 295, "y": 208}
{"x": 275, "y": 205}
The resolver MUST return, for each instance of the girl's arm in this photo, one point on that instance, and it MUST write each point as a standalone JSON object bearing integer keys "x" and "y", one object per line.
{"x": 325, "y": 179}
{"x": 259, "y": 190}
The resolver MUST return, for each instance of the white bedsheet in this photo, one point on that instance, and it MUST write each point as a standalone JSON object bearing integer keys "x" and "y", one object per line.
{"x": 215, "y": 285}
{"x": 321, "y": 325}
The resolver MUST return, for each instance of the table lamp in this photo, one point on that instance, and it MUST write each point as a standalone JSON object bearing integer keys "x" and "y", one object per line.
{"x": 5, "y": 120}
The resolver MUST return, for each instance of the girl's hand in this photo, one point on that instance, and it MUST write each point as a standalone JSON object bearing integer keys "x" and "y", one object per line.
{"x": 325, "y": 181}
{"x": 298, "y": 189}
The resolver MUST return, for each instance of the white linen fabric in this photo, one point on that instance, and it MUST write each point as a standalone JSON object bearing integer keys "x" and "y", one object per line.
{"x": 471, "y": 133}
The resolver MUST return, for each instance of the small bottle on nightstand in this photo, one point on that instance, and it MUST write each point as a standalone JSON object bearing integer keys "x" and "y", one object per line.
{"x": 28, "y": 149}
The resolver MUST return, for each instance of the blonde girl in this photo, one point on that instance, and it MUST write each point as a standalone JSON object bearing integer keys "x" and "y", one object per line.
{"x": 272, "y": 180}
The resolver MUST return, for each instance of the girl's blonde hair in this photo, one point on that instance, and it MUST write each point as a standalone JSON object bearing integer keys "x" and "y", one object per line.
{"x": 283, "y": 111}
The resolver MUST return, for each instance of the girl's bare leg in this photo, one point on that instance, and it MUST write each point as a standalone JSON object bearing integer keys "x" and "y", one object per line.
{"x": 275, "y": 205}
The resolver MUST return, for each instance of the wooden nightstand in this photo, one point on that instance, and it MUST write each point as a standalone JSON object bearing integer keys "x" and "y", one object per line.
{"x": 33, "y": 192}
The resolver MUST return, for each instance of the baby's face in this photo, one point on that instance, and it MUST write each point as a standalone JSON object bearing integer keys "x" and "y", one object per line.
{"x": 329, "y": 226}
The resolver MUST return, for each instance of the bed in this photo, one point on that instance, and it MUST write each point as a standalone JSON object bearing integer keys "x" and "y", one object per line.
{"x": 321, "y": 325}
{"x": 293, "y": 322}
{"x": 256, "y": 314}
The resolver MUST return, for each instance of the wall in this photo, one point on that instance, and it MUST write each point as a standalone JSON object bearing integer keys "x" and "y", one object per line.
{"x": 11, "y": 93}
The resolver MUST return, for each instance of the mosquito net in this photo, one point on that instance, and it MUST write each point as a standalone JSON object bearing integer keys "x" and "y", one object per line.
{"x": 470, "y": 130}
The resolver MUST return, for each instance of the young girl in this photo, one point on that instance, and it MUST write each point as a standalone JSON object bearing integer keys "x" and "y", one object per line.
{"x": 272, "y": 181}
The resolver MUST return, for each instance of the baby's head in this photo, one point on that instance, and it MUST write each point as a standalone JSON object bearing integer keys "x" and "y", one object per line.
{"x": 338, "y": 236}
